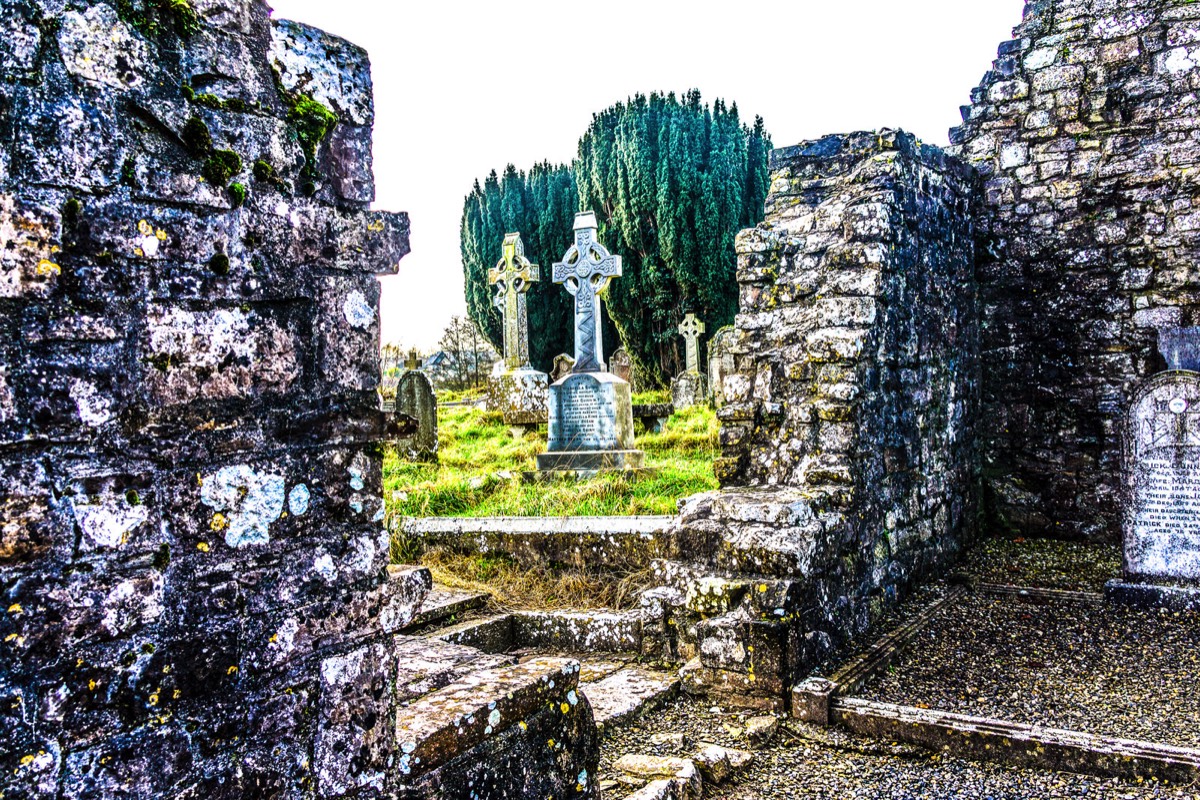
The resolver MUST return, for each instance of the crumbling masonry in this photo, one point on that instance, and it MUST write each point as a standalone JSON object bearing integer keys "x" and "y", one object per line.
{"x": 195, "y": 591}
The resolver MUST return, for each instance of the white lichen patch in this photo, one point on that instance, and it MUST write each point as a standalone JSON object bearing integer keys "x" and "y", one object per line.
{"x": 105, "y": 522}
{"x": 94, "y": 408}
{"x": 98, "y": 47}
{"x": 248, "y": 500}
{"x": 358, "y": 312}
{"x": 132, "y": 603}
{"x": 323, "y": 566}
{"x": 298, "y": 499}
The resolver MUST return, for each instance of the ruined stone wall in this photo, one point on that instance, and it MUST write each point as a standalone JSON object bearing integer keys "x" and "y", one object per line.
{"x": 1085, "y": 131}
{"x": 856, "y": 352}
{"x": 193, "y": 568}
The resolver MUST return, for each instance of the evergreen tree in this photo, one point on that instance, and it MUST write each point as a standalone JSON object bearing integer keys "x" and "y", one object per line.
{"x": 540, "y": 205}
{"x": 672, "y": 181}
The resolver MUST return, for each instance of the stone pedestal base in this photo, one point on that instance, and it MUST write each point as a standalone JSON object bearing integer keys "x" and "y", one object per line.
{"x": 590, "y": 460}
{"x": 689, "y": 389}
{"x": 520, "y": 395}
{"x": 1150, "y": 595}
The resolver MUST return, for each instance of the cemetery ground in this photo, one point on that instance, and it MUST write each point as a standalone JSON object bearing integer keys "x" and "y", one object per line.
{"x": 481, "y": 466}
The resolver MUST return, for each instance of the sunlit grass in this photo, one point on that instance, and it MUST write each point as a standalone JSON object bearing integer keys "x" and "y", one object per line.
{"x": 481, "y": 465}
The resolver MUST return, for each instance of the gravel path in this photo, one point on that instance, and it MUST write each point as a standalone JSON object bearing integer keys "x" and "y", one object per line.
{"x": 1044, "y": 563}
{"x": 809, "y": 762}
{"x": 1100, "y": 669}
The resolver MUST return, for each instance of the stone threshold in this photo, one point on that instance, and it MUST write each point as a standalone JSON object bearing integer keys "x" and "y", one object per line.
{"x": 631, "y": 542}
{"x": 827, "y": 702}
{"x": 1018, "y": 744}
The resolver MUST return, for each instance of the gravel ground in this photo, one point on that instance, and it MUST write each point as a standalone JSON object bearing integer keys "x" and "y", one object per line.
{"x": 1044, "y": 563}
{"x": 1099, "y": 669}
{"x": 810, "y": 762}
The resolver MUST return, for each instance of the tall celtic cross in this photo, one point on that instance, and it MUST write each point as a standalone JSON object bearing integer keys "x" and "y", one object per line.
{"x": 690, "y": 329}
{"x": 511, "y": 276}
{"x": 586, "y": 270}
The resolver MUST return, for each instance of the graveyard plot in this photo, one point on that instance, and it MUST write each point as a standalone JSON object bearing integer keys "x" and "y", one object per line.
{"x": 1043, "y": 563}
{"x": 1090, "y": 667}
{"x": 481, "y": 472}
{"x": 807, "y": 762}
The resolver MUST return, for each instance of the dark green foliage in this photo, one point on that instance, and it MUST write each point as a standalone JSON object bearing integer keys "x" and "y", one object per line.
{"x": 162, "y": 557}
{"x": 151, "y": 17}
{"x": 263, "y": 171}
{"x": 313, "y": 122}
{"x": 672, "y": 182}
{"x": 131, "y": 497}
{"x": 540, "y": 205}
{"x": 219, "y": 264}
{"x": 129, "y": 173}
{"x": 196, "y": 137}
{"x": 221, "y": 166}
{"x": 209, "y": 100}
{"x": 237, "y": 194}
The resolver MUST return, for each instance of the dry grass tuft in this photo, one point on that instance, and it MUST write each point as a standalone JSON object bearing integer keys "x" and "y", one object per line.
{"x": 518, "y": 588}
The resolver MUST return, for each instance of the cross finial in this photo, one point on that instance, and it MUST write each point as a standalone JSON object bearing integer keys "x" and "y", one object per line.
{"x": 414, "y": 360}
{"x": 586, "y": 270}
{"x": 511, "y": 276}
{"x": 690, "y": 329}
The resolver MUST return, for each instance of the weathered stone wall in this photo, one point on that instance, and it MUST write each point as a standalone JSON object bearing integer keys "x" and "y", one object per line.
{"x": 1085, "y": 131}
{"x": 853, "y": 403}
{"x": 193, "y": 568}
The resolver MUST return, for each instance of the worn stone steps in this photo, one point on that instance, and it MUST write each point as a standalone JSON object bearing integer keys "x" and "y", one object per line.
{"x": 627, "y": 693}
{"x": 444, "y": 603}
{"x": 499, "y": 730}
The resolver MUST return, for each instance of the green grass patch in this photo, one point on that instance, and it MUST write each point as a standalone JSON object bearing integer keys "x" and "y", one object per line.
{"x": 479, "y": 474}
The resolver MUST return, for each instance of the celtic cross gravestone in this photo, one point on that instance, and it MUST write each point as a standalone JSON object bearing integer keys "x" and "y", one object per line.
{"x": 591, "y": 409}
{"x": 690, "y": 387}
{"x": 512, "y": 277}
{"x": 690, "y": 329}
{"x": 585, "y": 271}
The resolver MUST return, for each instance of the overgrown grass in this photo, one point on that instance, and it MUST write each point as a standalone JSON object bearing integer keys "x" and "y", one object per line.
{"x": 515, "y": 587}
{"x": 479, "y": 474}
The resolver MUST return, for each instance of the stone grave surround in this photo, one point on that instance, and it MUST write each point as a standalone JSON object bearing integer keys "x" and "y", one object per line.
{"x": 195, "y": 593}
{"x": 517, "y": 390}
{"x": 415, "y": 397}
{"x": 591, "y": 410}
{"x": 1089, "y": 105}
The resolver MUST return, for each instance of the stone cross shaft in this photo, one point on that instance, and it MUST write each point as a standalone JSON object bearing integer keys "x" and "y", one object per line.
{"x": 511, "y": 276}
{"x": 586, "y": 270}
{"x": 690, "y": 329}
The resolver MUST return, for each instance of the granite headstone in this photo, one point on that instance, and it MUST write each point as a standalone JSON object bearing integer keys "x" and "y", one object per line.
{"x": 621, "y": 365}
{"x": 1162, "y": 489}
{"x": 415, "y": 397}
{"x": 720, "y": 363}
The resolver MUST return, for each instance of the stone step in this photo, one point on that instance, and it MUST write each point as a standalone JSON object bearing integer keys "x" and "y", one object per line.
{"x": 442, "y": 603}
{"x": 451, "y": 721}
{"x": 612, "y": 542}
{"x": 491, "y": 634}
{"x": 424, "y": 665}
{"x": 627, "y": 693}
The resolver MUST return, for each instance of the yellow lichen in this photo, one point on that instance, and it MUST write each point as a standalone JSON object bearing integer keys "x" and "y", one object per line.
{"x": 47, "y": 267}
{"x": 376, "y": 226}
{"x": 145, "y": 228}
{"x": 218, "y": 522}
{"x": 15, "y": 608}
{"x": 231, "y": 670}
{"x": 202, "y": 547}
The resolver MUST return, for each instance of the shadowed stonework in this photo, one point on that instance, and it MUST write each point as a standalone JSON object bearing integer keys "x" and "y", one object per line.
{"x": 195, "y": 591}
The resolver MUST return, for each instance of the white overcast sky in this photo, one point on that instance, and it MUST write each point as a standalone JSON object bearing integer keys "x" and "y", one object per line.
{"x": 462, "y": 88}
